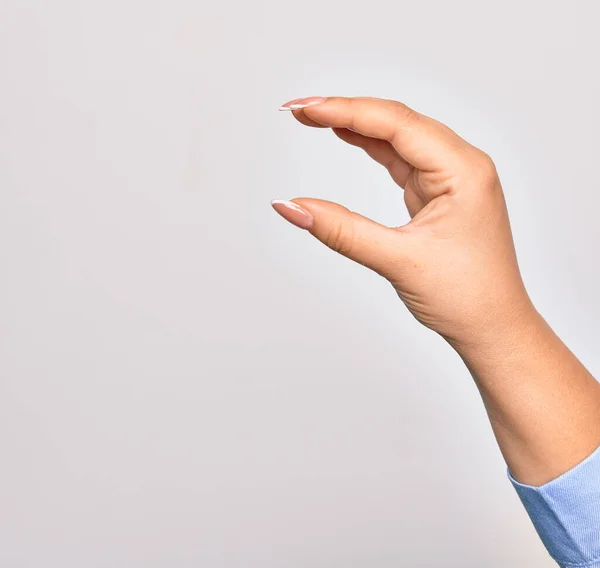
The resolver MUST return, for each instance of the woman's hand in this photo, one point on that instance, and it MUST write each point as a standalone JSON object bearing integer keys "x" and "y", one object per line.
{"x": 454, "y": 263}
{"x": 454, "y": 266}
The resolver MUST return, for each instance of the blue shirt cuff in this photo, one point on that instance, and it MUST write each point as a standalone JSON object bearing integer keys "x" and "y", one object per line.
{"x": 566, "y": 513}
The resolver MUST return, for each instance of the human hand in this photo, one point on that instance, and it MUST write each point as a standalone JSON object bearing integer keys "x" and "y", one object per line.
{"x": 454, "y": 264}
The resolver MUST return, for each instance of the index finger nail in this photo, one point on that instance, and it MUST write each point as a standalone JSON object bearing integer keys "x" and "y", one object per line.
{"x": 297, "y": 104}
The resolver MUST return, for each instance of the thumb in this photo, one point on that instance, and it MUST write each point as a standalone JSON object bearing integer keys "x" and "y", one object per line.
{"x": 346, "y": 232}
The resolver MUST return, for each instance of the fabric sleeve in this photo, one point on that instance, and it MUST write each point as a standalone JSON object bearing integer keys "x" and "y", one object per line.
{"x": 566, "y": 513}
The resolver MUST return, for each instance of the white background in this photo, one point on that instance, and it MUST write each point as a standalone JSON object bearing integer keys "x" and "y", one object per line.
{"x": 185, "y": 379}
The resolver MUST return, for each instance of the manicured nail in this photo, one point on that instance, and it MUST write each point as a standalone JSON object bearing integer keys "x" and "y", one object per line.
{"x": 293, "y": 213}
{"x": 302, "y": 103}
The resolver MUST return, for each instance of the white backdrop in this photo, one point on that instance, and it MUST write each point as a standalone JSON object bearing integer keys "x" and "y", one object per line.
{"x": 185, "y": 379}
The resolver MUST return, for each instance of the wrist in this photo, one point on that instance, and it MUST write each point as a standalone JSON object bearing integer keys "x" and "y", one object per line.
{"x": 502, "y": 332}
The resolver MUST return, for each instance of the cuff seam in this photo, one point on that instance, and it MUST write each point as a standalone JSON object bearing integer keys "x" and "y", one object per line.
{"x": 564, "y": 475}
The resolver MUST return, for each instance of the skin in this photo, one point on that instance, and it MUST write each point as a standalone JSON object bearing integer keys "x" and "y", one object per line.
{"x": 455, "y": 268}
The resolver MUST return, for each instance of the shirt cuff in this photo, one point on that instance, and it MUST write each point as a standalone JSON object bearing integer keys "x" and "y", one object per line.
{"x": 566, "y": 513}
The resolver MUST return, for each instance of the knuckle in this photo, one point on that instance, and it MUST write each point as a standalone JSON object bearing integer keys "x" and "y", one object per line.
{"x": 402, "y": 116}
{"x": 403, "y": 113}
{"x": 483, "y": 167}
{"x": 340, "y": 237}
{"x": 486, "y": 162}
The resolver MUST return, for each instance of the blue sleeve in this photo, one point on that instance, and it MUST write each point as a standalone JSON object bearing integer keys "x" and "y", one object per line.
{"x": 566, "y": 513}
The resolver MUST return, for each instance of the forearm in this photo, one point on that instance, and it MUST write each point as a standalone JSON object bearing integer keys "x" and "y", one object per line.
{"x": 543, "y": 404}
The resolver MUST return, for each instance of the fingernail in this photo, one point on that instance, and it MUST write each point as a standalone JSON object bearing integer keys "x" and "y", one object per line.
{"x": 302, "y": 103}
{"x": 293, "y": 213}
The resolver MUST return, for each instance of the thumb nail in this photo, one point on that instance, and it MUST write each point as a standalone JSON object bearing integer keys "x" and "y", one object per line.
{"x": 293, "y": 213}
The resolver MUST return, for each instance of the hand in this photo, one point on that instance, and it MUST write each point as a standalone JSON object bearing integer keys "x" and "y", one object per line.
{"x": 454, "y": 264}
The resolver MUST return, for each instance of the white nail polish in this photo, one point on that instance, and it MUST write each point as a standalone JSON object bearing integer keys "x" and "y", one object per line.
{"x": 306, "y": 103}
{"x": 288, "y": 204}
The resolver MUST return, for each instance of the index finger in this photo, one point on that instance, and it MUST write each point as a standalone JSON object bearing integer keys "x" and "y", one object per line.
{"x": 422, "y": 141}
